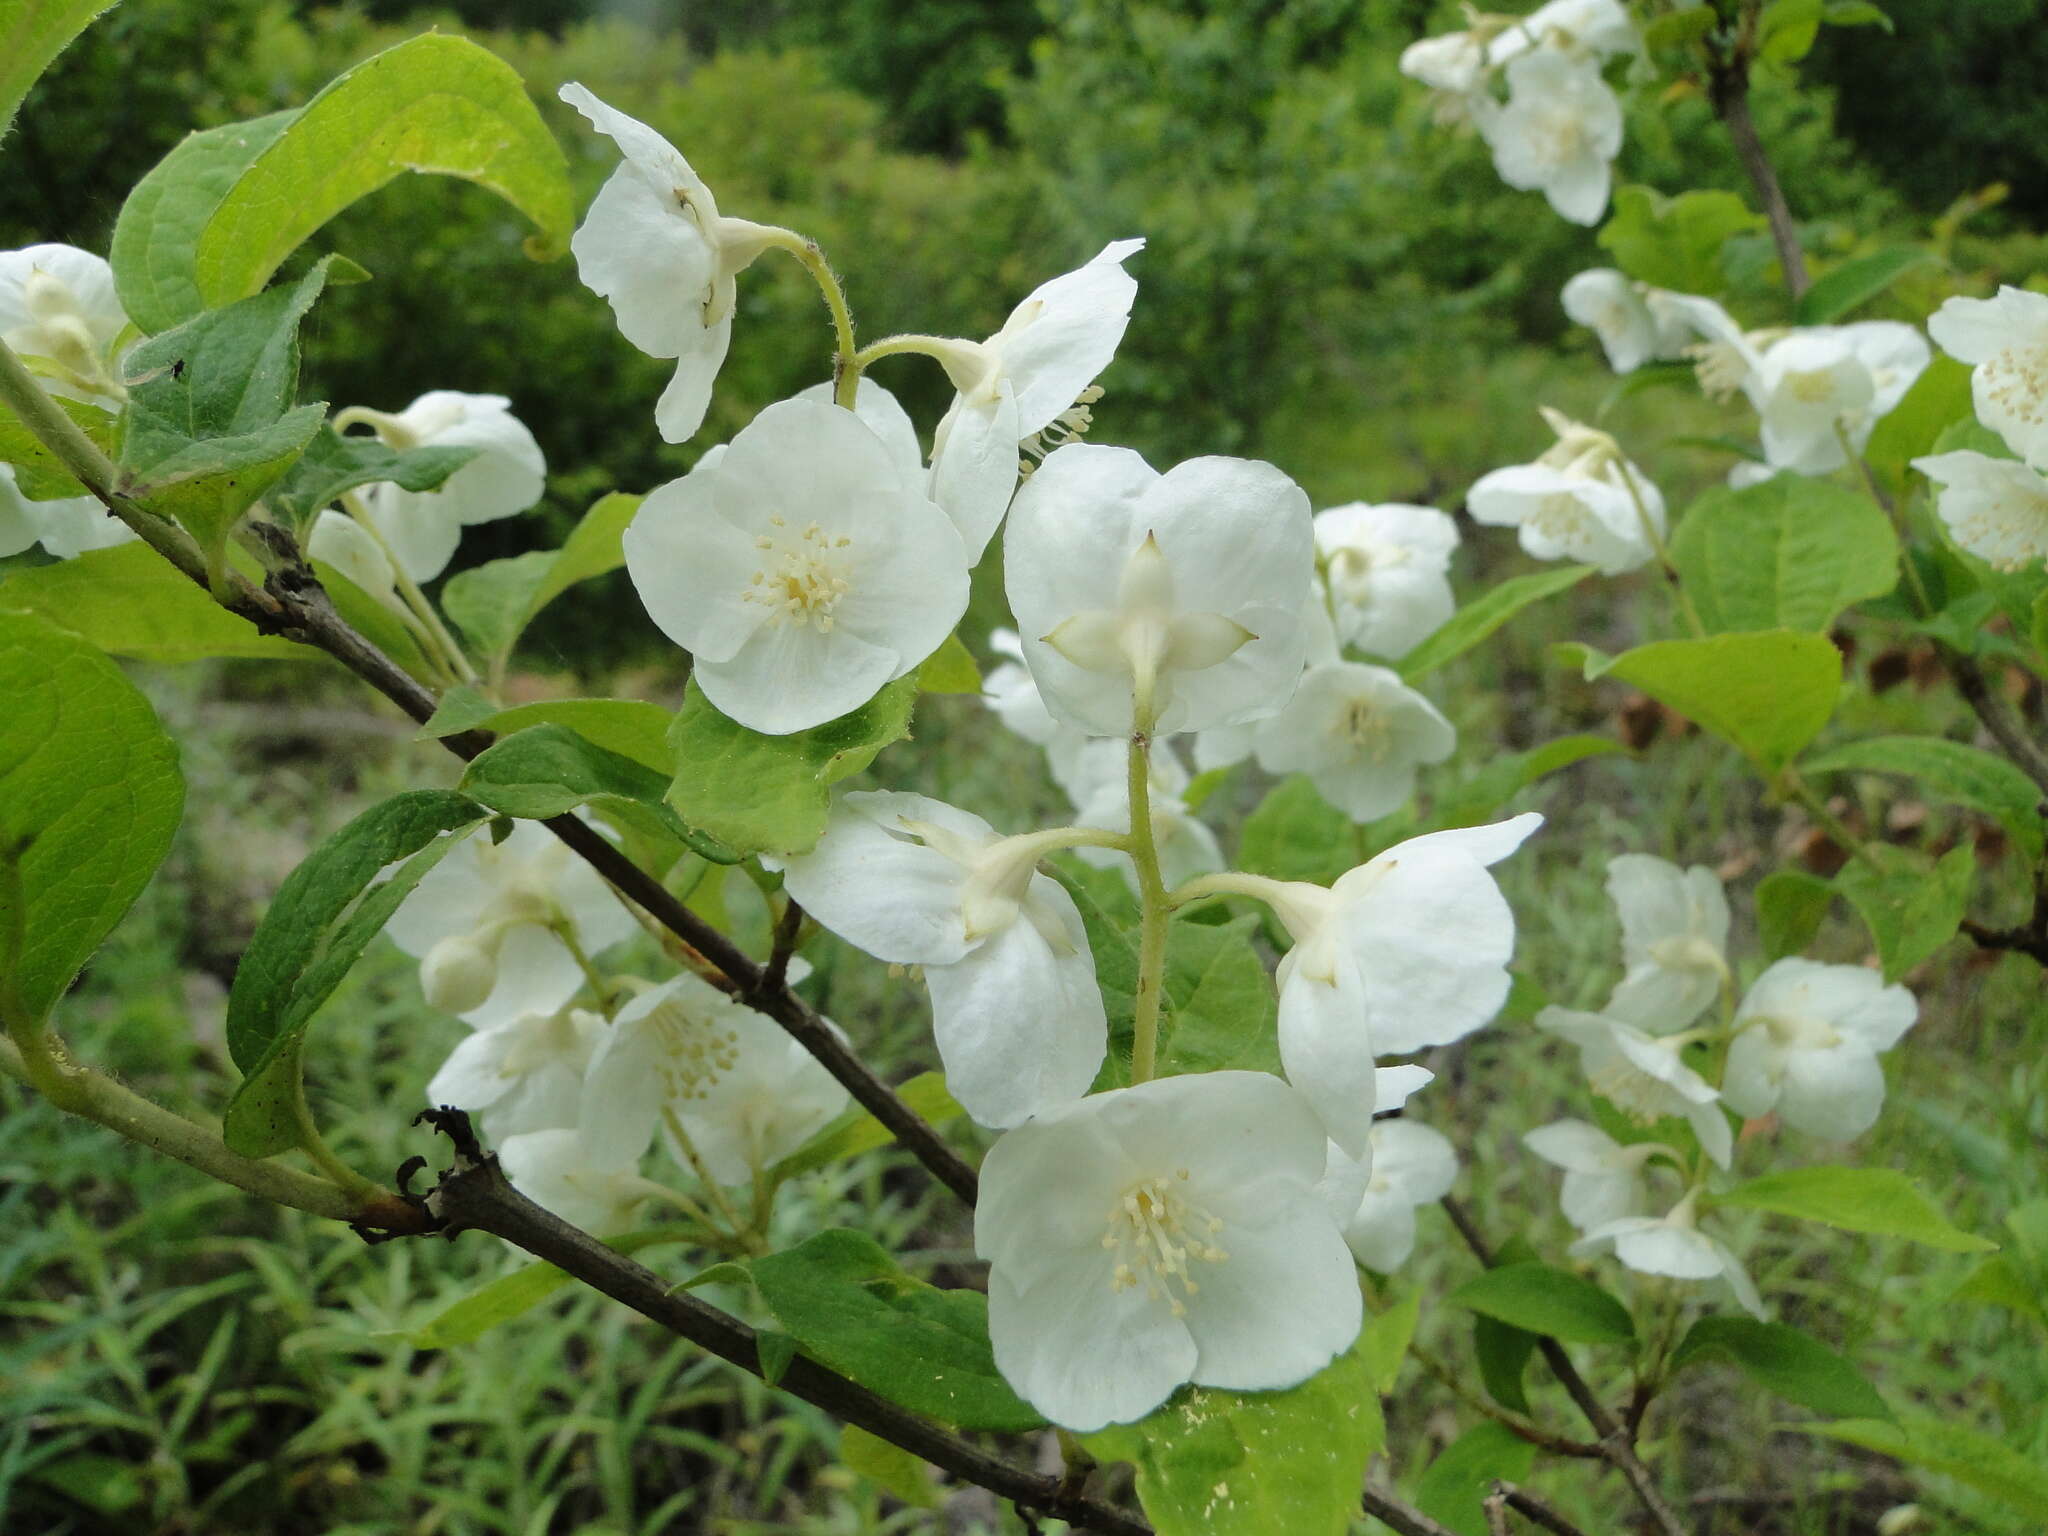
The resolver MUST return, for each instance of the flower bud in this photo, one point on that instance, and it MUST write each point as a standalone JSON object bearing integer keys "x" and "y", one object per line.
{"x": 458, "y": 974}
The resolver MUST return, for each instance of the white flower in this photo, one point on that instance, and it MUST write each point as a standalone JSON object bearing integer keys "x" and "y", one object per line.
{"x": 1603, "y": 1179}
{"x": 1674, "y": 940}
{"x": 58, "y": 309}
{"x": 2005, "y": 339}
{"x": 1405, "y": 1166}
{"x": 1558, "y": 133}
{"x": 1806, "y": 1044}
{"x": 1407, "y": 951}
{"x": 1161, "y": 1234}
{"x": 1673, "y": 1244}
{"x": 340, "y": 541}
{"x": 1009, "y": 690}
{"x": 1359, "y": 733}
{"x": 1596, "y": 27}
{"x": 655, "y": 246}
{"x": 1454, "y": 63}
{"x": 1726, "y": 357}
{"x": 66, "y": 527}
{"x": 1619, "y": 311}
{"x": 1101, "y": 789}
{"x": 525, "y": 1075}
{"x": 1643, "y": 1075}
{"x": 1170, "y": 600}
{"x": 1581, "y": 500}
{"x": 1027, "y": 388}
{"x": 1017, "y": 1015}
{"x": 1816, "y": 386}
{"x": 555, "y": 1169}
{"x": 483, "y": 919}
{"x": 685, "y": 1055}
{"x": 1387, "y": 569}
{"x": 422, "y": 528}
{"x": 1997, "y": 509}
{"x": 801, "y": 568}
{"x": 1222, "y": 745}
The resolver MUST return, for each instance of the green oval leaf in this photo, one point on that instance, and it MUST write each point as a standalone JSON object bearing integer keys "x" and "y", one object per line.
{"x": 1675, "y": 242}
{"x": 1856, "y": 282}
{"x": 1783, "y": 1360}
{"x": 1789, "y": 553}
{"x": 130, "y": 601}
{"x": 32, "y": 34}
{"x": 1953, "y": 771}
{"x": 1911, "y": 905}
{"x": 1954, "y": 1450}
{"x": 90, "y": 796}
{"x": 1455, "y": 1488}
{"x": 1541, "y": 1299}
{"x": 1880, "y": 1201}
{"x": 1485, "y": 614}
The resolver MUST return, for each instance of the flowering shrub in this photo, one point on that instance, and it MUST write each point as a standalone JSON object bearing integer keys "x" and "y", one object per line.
{"x": 1197, "y": 1177}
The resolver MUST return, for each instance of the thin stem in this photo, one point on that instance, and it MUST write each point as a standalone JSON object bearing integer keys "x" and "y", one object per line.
{"x": 788, "y": 927}
{"x": 1525, "y": 1428}
{"x": 476, "y": 1197}
{"x": 1828, "y": 821}
{"x": 1534, "y": 1510}
{"x": 105, "y": 1102}
{"x": 1153, "y": 910}
{"x": 441, "y": 641}
{"x": 846, "y": 360}
{"x": 735, "y": 1228}
{"x": 565, "y": 931}
{"x": 315, "y": 1145}
{"x": 1661, "y": 549}
{"x": 1405, "y": 1519}
{"x": 1729, "y": 91}
{"x": 941, "y": 349}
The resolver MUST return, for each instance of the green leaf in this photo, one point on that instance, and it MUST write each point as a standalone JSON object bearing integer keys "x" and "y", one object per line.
{"x": 1856, "y": 282}
{"x": 850, "y": 1307}
{"x": 1675, "y": 242}
{"x": 1675, "y": 29}
{"x": 1109, "y": 916}
{"x": 224, "y": 209}
{"x": 630, "y": 727}
{"x": 857, "y": 1131}
{"x": 594, "y": 547}
{"x": 90, "y": 795}
{"x": 1766, "y": 694}
{"x": 130, "y": 601}
{"x": 493, "y": 603}
{"x": 1953, "y": 1450}
{"x": 1215, "y": 1463}
{"x": 1503, "y": 1352}
{"x": 1787, "y": 30}
{"x": 1223, "y": 1011}
{"x": 1997, "y": 1282}
{"x": 949, "y": 669}
{"x": 1385, "y": 1340}
{"x": 319, "y": 923}
{"x": 548, "y": 770}
{"x": 513, "y": 1295}
{"x": 1542, "y": 1299}
{"x": 1455, "y": 1488}
{"x": 38, "y": 473}
{"x": 1910, "y": 906}
{"x": 1880, "y": 1201}
{"x": 333, "y": 463}
{"x": 889, "y": 1467}
{"x": 370, "y": 617}
{"x": 32, "y": 34}
{"x": 1788, "y": 553}
{"x": 1789, "y": 907}
{"x": 210, "y": 424}
{"x": 1953, "y": 771}
{"x": 1855, "y": 13}
{"x": 774, "y": 1350}
{"x": 1485, "y": 614}
{"x": 770, "y": 794}
{"x": 1783, "y": 1360}
{"x": 1940, "y": 395}
{"x": 1481, "y": 797}
{"x": 1295, "y": 834}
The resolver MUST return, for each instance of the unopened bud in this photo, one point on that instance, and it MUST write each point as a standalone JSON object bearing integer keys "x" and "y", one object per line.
{"x": 458, "y": 974}
{"x": 1903, "y": 1520}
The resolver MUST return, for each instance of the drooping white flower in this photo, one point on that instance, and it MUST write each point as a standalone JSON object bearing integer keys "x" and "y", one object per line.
{"x": 482, "y": 923}
{"x": 1674, "y": 1245}
{"x": 1643, "y": 1075}
{"x": 1407, "y": 951}
{"x": 1816, "y": 386}
{"x": 1725, "y": 357}
{"x": 556, "y": 1169}
{"x": 1674, "y": 940}
{"x": 1581, "y": 500}
{"x": 1387, "y": 568}
{"x": 1618, "y": 310}
{"x": 66, "y": 526}
{"x": 1173, "y": 600}
{"x": 524, "y": 1075}
{"x": 1558, "y": 133}
{"x": 1015, "y": 1010}
{"x": 1360, "y": 734}
{"x": 1009, "y": 689}
{"x": 1027, "y": 388}
{"x": 340, "y": 541}
{"x": 1600, "y": 28}
{"x": 422, "y": 528}
{"x": 1997, "y": 509}
{"x": 1453, "y": 63}
{"x": 2005, "y": 340}
{"x": 1101, "y": 788}
{"x": 1603, "y": 1179}
{"x": 655, "y": 245}
{"x": 59, "y": 311}
{"x": 686, "y": 1055}
{"x": 1406, "y": 1165}
{"x": 1807, "y": 1038}
{"x": 801, "y": 568}
{"x": 1161, "y": 1234}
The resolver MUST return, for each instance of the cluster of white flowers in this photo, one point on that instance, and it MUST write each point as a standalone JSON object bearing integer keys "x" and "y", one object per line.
{"x": 1581, "y": 499}
{"x": 1997, "y": 508}
{"x": 1559, "y": 127}
{"x": 1802, "y": 1043}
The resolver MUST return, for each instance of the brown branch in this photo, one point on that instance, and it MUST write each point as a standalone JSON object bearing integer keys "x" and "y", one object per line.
{"x": 1534, "y": 1510}
{"x": 1613, "y": 1436}
{"x": 1728, "y": 89}
{"x": 788, "y": 928}
{"x": 1997, "y": 714}
{"x": 1403, "y": 1518}
{"x": 475, "y": 1196}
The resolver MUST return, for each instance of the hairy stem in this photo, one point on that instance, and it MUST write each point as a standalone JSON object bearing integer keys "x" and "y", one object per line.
{"x": 1153, "y": 909}
{"x": 846, "y": 361}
